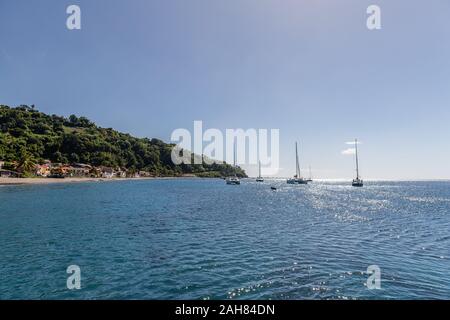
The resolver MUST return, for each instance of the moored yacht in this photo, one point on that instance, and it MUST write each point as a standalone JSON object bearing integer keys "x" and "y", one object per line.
{"x": 297, "y": 179}
{"x": 233, "y": 180}
{"x": 358, "y": 182}
{"x": 259, "y": 178}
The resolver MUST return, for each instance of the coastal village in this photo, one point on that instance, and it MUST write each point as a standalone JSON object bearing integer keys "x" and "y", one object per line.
{"x": 75, "y": 170}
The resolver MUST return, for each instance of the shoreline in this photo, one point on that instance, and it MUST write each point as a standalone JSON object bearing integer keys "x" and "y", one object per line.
{"x": 42, "y": 181}
{"x": 35, "y": 181}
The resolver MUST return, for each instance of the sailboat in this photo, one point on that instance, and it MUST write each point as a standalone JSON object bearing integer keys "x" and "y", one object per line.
{"x": 234, "y": 180}
{"x": 259, "y": 178}
{"x": 297, "y": 179}
{"x": 358, "y": 182}
{"x": 310, "y": 175}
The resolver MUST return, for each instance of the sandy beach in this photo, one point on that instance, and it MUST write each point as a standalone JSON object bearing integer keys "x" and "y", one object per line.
{"x": 14, "y": 181}
{"x": 22, "y": 181}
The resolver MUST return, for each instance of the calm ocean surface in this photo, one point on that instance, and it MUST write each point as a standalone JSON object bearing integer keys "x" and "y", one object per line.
{"x": 202, "y": 239}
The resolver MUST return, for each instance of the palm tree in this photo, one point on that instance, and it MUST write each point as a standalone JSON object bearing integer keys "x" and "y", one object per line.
{"x": 26, "y": 163}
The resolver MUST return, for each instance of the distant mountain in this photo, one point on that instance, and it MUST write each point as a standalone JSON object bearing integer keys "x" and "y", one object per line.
{"x": 26, "y": 133}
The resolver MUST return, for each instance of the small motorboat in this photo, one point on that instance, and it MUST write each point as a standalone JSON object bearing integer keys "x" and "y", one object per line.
{"x": 233, "y": 180}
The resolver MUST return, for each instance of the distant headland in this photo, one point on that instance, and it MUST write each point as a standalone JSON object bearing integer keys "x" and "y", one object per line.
{"x": 34, "y": 144}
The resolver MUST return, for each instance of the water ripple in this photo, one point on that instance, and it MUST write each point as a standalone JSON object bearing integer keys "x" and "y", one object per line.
{"x": 202, "y": 239}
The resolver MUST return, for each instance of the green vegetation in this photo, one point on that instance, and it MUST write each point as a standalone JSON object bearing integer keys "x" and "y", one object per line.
{"x": 28, "y": 137}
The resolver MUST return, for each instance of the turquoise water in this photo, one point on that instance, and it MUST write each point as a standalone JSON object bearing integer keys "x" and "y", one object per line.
{"x": 202, "y": 239}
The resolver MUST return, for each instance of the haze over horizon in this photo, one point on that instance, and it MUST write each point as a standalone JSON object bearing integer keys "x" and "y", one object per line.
{"x": 311, "y": 69}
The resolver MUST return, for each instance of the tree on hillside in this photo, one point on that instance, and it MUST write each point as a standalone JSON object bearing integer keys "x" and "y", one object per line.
{"x": 26, "y": 163}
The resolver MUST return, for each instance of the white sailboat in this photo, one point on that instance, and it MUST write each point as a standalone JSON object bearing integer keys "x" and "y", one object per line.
{"x": 297, "y": 179}
{"x": 358, "y": 182}
{"x": 234, "y": 180}
{"x": 259, "y": 178}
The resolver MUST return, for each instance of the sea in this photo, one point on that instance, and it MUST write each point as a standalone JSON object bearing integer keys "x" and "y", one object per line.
{"x": 203, "y": 239}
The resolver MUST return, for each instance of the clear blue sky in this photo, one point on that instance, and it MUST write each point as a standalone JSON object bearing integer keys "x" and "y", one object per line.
{"x": 310, "y": 68}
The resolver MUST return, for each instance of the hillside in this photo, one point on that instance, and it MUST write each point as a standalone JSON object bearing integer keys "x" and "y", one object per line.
{"x": 27, "y": 135}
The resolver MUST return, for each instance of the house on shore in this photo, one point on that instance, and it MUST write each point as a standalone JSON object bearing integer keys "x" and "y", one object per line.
{"x": 145, "y": 174}
{"x": 107, "y": 172}
{"x": 7, "y": 173}
{"x": 43, "y": 170}
{"x": 59, "y": 170}
{"x": 121, "y": 173}
{"x": 79, "y": 170}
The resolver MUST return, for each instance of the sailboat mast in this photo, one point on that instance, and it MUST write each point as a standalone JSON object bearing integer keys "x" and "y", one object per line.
{"x": 259, "y": 171}
{"x": 234, "y": 158}
{"x": 357, "y": 163}
{"x": 234, "y": 155}
{"x": 297, "y": 166}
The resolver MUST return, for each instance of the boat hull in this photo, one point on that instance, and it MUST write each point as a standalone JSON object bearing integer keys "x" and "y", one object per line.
{"x": 233, "y": 181}
{"x": 357, "y": 183}
{"x": 297, "y": 181}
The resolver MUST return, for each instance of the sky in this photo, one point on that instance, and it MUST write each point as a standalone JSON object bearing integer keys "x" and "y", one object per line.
{"x": 311, "y": 69}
